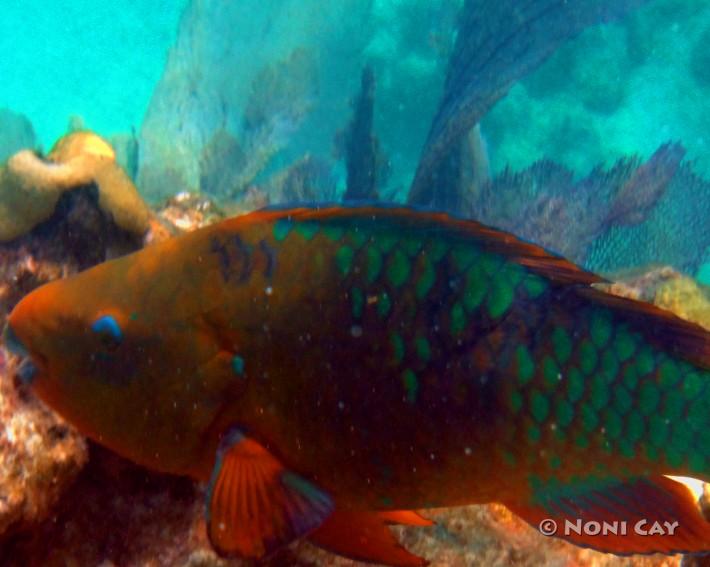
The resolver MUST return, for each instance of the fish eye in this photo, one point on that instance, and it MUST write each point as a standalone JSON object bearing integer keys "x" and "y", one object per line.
{"x": 108, "y": 331}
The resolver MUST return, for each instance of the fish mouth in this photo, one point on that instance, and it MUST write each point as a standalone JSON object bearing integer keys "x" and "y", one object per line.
{"x": 26, "y": 370}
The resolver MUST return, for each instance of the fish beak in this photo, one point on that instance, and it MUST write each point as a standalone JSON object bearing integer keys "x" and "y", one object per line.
{"x": 12, "y": 343}
{"x": 26, "y": 370}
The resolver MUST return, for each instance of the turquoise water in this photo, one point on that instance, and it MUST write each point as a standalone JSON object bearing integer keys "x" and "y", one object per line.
{"x": 95, "y": 60}
{"x": 264, "y": 84}
{"x": 592, "y": 143}
{"x": 617, "y": 89}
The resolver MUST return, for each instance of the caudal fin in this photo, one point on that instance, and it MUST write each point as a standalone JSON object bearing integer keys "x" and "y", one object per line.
{"x": 643, "y": 515}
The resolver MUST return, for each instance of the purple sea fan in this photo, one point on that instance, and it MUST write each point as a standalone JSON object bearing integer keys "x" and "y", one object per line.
{"x": 640, "y": 193}
{"x": 544, "y": 205}
{"x": 498, "y": 42}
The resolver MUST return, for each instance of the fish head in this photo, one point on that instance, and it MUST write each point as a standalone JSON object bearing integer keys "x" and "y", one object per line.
{"x": 77, "y": 349}
{"x": 121, "y": 376}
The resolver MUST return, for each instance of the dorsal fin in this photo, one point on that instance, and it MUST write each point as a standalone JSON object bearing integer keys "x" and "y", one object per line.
{"x": 539, "y": 260}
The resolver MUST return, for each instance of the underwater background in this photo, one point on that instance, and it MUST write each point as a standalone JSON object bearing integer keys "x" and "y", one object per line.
{"x": 597, "y": 148}
{"x": 220, "y": 96}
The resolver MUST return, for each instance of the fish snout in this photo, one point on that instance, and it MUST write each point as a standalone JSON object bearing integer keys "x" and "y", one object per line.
{"x": 12, "y": 343}
{"x": 26, "y": 370}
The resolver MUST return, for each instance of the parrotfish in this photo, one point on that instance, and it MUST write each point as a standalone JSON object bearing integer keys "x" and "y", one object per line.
{"x": 331, "y": 371}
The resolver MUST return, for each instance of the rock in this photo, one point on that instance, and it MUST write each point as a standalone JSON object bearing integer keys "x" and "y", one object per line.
{"x": 640, "y": 283}
{"x": 16, "y": 133}
{"x": 188, "y": 211}
{"x": 115, "y": 514}
{"x": 118, "y": 513}
{"x": 40, "y": 456}
{"x": 30, "y": 187}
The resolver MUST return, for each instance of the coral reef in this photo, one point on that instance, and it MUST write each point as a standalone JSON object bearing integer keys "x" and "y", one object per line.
{"x": 249, "y": 69}
{"x": 16, "y": 133}
{"x": 686, "y": 298}
{"x": 188, "y": 211}
{"x": 70, "y": 213}
{"x": 40, "y": 456}
{"x": 77, "y": 235}
{"x": 31, "y": 187}
{"x": 161, "y": 524}
{"x": 497, "y": 44}
{"x": 544, "y": 204}
{"x": 118, "y": 513}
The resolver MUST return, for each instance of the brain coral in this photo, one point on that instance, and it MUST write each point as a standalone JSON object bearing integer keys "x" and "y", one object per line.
{"x": 31, "y": 186}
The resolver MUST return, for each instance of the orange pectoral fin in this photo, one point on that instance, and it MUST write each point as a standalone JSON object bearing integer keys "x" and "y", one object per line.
{"x": 405, "y": 518}
{"x": 650, "y": 515}
{"x": 254, "y": 505}
{"x": 364, "y": 536}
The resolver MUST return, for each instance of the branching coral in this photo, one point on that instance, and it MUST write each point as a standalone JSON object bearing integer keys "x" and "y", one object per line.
{"x": 30, "y": 187}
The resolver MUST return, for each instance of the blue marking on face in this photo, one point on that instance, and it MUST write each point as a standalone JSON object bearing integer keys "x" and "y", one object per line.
{"x": 107, "y": 326}
{"x": 26, "y": 371}
{"x": 238, "y": 365}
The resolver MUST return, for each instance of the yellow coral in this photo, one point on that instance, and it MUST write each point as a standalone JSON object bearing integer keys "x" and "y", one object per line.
{"x": 30, "y": 186}
{"x": 686, "y": 298}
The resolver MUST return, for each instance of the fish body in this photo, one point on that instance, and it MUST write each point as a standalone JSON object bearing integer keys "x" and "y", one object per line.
{"x": 372, "y": 360}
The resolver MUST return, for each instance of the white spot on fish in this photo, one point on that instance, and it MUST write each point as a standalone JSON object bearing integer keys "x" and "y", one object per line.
{"x": 467, "y": 451}
{"x": 269, "y": 290}
{"x": 356, "y": 331}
